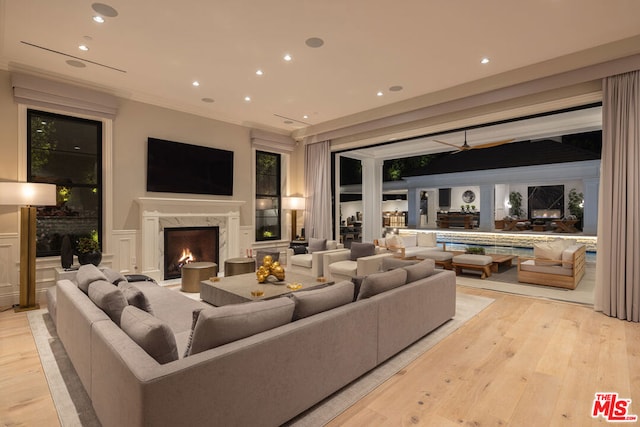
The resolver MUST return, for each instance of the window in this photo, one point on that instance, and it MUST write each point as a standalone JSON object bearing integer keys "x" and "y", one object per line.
{"x": 267, "y": 196}
{"x": 66, "y": 151}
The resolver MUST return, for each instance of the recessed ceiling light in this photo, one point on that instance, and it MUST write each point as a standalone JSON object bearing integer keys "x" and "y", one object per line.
{"x": 379, "y": 93}
{"x": 208, "y": 100}
{"x": 75, "y": 63}
{"x": 484, "y": 61}
{"x": 287, "y": 57}
{"x": 83, "y": 47}
{"x": 259, "y": 72}
{"x": 76, "y": 147}
{"x": 104, "y": 10}
{"x": 314, "y": 42}
{"x": 247, "y": 98}
{"x": 196, "y": 83}
{"x": 305, "y": 116}
{"x": 396, "y": 88}
{"x": 99, "y": 19}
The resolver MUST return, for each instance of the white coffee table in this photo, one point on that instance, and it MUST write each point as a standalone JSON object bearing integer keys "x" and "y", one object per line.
{"x": 237, "y": 289}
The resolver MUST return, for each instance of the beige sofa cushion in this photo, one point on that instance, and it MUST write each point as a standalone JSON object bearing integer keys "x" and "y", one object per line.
{"x": 88, "y": 274}
{"x": 427, "y": 240}
{"x": 549, "y": 251}
{"x": 109, "y": 298}
{"x": 316, "y": 301}
{"x": 420, "y": 270}
{"x": 409, "y": 241}
{"x": 150, "y": 333}
{"x": 377, "y": 283}
{"x": 221, "y": 325}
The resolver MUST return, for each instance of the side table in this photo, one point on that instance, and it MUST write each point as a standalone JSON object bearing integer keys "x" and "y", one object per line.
{"x": 195, "y": 272}
{"x": 234, "y": 266}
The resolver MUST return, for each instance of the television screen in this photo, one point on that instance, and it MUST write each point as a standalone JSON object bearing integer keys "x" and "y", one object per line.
{"x": 175, "y": 167}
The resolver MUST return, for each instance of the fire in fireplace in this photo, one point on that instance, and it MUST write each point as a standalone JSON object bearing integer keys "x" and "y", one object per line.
{"x": 189, "y": 244}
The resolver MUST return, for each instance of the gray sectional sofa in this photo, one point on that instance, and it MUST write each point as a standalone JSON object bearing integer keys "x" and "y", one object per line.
{"x": 263, "y": 379}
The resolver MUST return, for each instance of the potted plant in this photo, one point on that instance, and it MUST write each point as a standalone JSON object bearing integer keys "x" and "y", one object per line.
{"x": 475, "y": 250}
{"x": 515, "y": 200}
{"x": 88, "y": 251}
{"x": 576, "y": 201}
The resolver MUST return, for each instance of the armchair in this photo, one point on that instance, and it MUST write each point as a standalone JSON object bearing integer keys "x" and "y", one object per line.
{"x": 311, "y": 263}
{"x": 563, "y": 269}
{"x": 344, "y": 265}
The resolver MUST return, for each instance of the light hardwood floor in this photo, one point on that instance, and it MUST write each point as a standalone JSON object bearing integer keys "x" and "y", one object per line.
{"x": 522, "y": 361}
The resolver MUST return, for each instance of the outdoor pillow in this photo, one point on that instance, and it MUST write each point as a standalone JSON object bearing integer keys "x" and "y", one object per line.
{"x": 420, "y": 270}
{"x": 316, "y": 245}
{"x": 109, "y": 298}
{"x": 549, "y": 251}
{"x": 86, "y": 274}
{"x": 395, "y": 241}
{"x": 410, "y": 241}
{"x": 359, "y": 250}
{"x": 221, "y": 325}
{"x": 427, "y": 240}
{"x": 318, "y": 300}
{"x": 152, "y": 334}
{"x": 377, "y": 283}
{"x": 134, "y": 296}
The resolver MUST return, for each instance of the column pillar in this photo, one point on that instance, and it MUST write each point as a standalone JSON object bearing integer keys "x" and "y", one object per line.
{"x": 371, "y": 199}
{"x": 590, "y": 218}
{"x": 487, "y": 206}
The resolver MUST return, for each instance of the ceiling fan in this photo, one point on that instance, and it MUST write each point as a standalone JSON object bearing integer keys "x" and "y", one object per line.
{"x": 465, "y": 146}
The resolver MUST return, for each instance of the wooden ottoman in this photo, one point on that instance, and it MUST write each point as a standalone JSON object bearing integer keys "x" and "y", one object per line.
{"x": 480, "y": 263}
{"x": 442, "y": 259}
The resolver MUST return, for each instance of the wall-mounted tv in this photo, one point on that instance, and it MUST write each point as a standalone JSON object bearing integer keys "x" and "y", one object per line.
{"x": 174, "y": 167}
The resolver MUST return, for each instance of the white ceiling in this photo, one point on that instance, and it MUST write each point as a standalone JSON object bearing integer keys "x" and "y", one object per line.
{"x": 153, "y": 50}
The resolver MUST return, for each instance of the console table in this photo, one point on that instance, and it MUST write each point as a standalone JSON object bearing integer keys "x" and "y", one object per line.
{"x": 458, "y": 219}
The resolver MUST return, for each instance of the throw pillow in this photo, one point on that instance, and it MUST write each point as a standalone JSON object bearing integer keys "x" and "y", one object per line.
{"x": 548, "y": 253}
{"x": 194, "y": 319}
{"x": 357, "y": 284}
{"x": 420, "y": 270}
{"x": 134, "y": 296}
{"x": 86, "y": 275}
{"x": 409, "y": 241}
{"x": 299, "y": 250}
{"x": 152, "y": 334}
{"x": 113, "y": 276}
{"x": 427, "y": 240}
{"x": 377, "y": 283}
{"x": 359, "y": 250}
{"x": 109, "y": 298}
{"x": 395, "y": 242}
{"x": 318, "y": 300}
{"x": 389, "y": 263}
{"x": 316, "y": 245}
{"x": 221, "y": 325}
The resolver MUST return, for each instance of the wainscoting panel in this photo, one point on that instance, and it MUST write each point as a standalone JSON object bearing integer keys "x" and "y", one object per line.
{"x": 124, "y": 243}
{"x": 9, "y": 273}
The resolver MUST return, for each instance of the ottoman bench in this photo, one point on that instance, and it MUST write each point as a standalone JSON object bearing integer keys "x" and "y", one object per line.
{"x": 442, "y": 259}
{"x": 480, "y": 263}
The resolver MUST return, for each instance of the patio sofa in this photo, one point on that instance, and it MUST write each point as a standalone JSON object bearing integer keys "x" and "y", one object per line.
{"x": 560, "y": 263}
{"x": 260, "y": 377}
{"x": 412, "y": 245}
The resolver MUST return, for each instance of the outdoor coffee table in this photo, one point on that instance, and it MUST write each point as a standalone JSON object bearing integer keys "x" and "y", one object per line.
{"x": 237, "y": 289}
{"x": 498, "y": 260}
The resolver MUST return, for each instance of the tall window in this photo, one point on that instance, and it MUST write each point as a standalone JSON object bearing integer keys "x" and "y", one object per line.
{"x": 66, "y": 151}
{"x": 267, "y": 196}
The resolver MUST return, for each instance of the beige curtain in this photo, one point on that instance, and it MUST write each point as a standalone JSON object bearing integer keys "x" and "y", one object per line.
{"x": 317, "y": 186}
{"x": 617, "y": 292}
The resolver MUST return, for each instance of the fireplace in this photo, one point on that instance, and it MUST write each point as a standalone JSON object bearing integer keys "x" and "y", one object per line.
{"x": 189, "y": 244}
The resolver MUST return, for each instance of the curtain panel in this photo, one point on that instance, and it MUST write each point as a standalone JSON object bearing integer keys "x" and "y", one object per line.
{"x": 317, "y": 188}
{"x": 617, "y": 292}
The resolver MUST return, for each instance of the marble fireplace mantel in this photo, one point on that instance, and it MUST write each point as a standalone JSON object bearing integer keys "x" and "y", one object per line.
{"x": 157, "y": 213}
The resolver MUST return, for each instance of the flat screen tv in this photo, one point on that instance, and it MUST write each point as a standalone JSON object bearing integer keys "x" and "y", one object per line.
{"x": 174, "y": 167}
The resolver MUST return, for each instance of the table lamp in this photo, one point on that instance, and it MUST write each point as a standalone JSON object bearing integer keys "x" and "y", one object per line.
{"x": 27, "y": 195}
{"x": 293, "y": 204}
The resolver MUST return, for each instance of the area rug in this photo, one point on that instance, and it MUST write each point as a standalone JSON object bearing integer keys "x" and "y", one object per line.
{"x": 506, "y": 280}
{"x": 74, "y": 406}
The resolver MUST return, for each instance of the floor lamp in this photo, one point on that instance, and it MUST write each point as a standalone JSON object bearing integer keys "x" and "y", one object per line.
{"x": 27, "y": 195}
{"x": 293, "y": 204}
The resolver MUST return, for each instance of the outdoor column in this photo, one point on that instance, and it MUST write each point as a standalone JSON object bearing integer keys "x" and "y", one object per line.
{"x": 590, "y": 218}
{"x": 413, "y": 201}
{"x": 371, "y": 199}
{"x": 487, "y": 204}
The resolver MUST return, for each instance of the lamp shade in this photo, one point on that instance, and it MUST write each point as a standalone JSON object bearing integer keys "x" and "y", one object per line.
{"x": 27, "y": 193}
{"x": 293, "y": 203}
